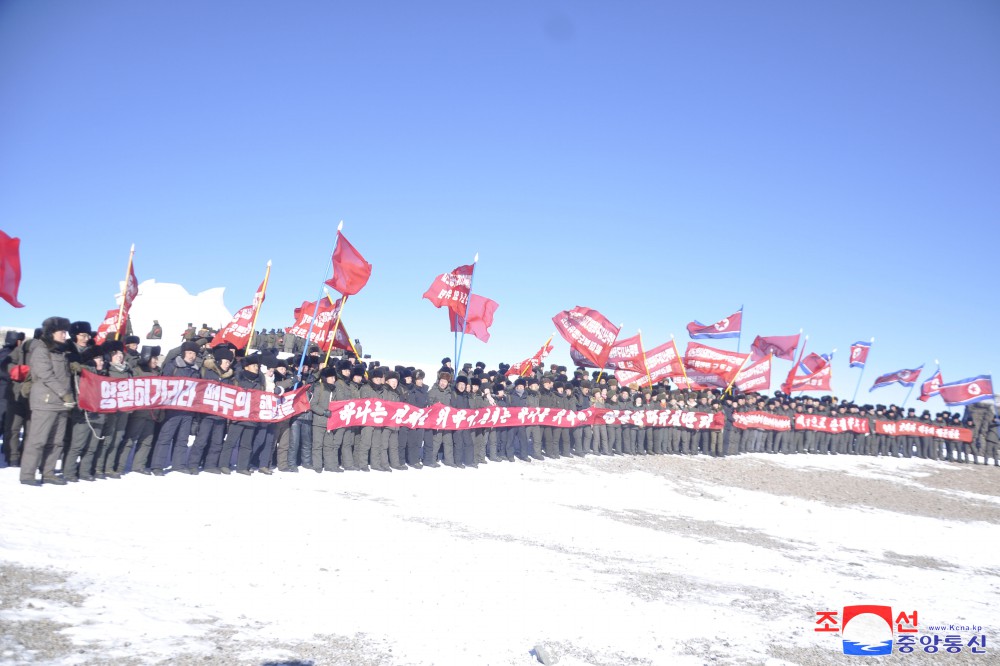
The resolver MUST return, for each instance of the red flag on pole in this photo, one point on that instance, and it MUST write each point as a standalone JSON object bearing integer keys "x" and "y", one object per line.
{"x": 627, "y": 354}
{"x": 239, "y": 329}
{"x": 10, "y": 269}
{"x": 525, "y": 366}
{"x": 587, "y": 331}
{"x": 322, "y": 333}
{"x": 719, "y": 362}
{"x": 108, "y": 326}
{"x": 661, "y": 362}
{"x": 451, "y": 289}
{"x": 782, "y": 346}
{"x": 350, "y": 270}
{"x": 480, "y": 314}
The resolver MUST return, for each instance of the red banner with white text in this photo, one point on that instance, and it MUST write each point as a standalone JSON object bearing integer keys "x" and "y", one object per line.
{"x": 103, "y": 394}
{"x": 922, "y": 429}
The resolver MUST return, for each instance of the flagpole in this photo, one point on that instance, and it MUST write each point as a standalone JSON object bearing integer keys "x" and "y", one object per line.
{"x": 739, "y": 338}
{"x": 733, "y": 381}
{"x": 121, "y": 310}
{"x": 645, "y": 364}
{"x": 336, "y": 326}
{"x": 855, "y": 396}
{"x": 530, "y": 367}
{"x": 791, "y": 373}
{"x": 908, "y": 393}
{"x": 601, "y": 371}
{"x": 678, "y": 353}
{"x": 256, "y": 311}
{"x": 465, "y": 319}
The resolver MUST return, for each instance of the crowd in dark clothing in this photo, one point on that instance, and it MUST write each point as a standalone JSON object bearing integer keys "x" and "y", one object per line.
{"x": 47, "y": 434}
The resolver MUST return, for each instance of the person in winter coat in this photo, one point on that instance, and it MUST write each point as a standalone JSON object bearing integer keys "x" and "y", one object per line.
{"x": 440, "y": 440}
{"x": 51, "y": 400}
{"x": 141, "y": 427}
{"x": 171, "y": 442}
{"x": 415, "y": 438}
{"x": 116, "y": 423}
{"x": 212, "y": 429}
{"x": 463, "y": 446}
{"x": 324, "y": 453}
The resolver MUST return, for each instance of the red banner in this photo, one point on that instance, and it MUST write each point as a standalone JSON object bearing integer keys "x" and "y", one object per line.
{"x": 831, "y": 424}
{"x": 724, "y": 364}
{"x": 922, "y": 429}
{"x": 10, "y": 269}
{"x": 627, "y": 354}
{"x": 350, "y": 270}
{"x": 589, "y": 332}
{"x": 108, "y": 327}
{"x": 661, "y": 362}
{"x": 103, "y": 394}
{"x": 817, "y": 381}
{"x": 480, "y": 319}
{"x": 762, "y": 421}
{"x": 322, "y": 329}
{"x": 239, "y": 329}
{"x": 384, "y": 414}
{"x": 782, "y": 346}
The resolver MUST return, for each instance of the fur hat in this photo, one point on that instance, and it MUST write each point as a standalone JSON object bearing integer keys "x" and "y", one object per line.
{"x": 79, "y": 327}
{"x": 445, "y": 361}
{"x": 442, "y": 374}
{"x": 392, "y": 374}
{"x": 252, "y": 359}
{"x": 418, "y": 374}
{"x": 111, "y": 346}
{"x": 147, "y": 354}
{"x": 462, "y": 379}
{"x": 343, "y": 364}
{"x": 132, "y": 339}
{"x": 405, "y": 374}
{"x": 357, "y": 371}
{"x": 328, "y": 371}
{"x": 476, "y": 381}
{"x": 498, "y": 388}
{"x": 377, "y": 373}
{"x": 11, "y": 338}
{"x": 190, "y": 346}
{"x": 520, "y": 382}
{"x": 222, "y": 353}
{"x": 480, "y": 365}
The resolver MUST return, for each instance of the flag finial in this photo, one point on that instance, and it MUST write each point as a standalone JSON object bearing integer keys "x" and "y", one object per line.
{"x": 340, "y": 226}
{"x": 475, "y": 259}
{"x": 268, "y": 263}
{"x": 937, "y": 362}
{"x": 132, "y": 249}
{"x": 872, "y": 340}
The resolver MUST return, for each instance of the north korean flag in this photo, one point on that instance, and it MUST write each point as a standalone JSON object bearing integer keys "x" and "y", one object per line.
{"x": 904, "y": 377}
{"x": 967, "y": 391}
{"x": 728, "y": 327}
{"x": 931, "y": 387}
{"x": 859, "y": 353}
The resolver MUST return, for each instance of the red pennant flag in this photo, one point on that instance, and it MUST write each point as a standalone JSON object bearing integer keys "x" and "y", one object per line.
{"x": 755, "y": 377}
{"x": 525, "y": 366}
{"x": 481, "y": 311}
{"x": 239, "y": 329}
{"x": 587, "y": 331}
{"x": 627, "y": 354}
{"x": 108, "y": 327}
{"x": 782, "y": 346}
{"x": 661, "y": 362}
{"x": 815, "y": 381}
{"x": 322, "y": 333}
{"x": 931, "y": 387}
{"x": 350, "y": 270}
{"x": 451, "y": 289}
{"x": 724, "y": 364}
{"x": 10, "y": 269}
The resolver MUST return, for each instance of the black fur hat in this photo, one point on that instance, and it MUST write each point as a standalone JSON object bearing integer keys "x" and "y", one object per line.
{"x": 53, "y": 324}
{"x": 223, "y": 352}
{"x": 80, "y": 327}
{"x": 357, "y": 371}
{"x": 190, "y": 346}
{"x": 132, "y": 339}
{"x": 343, "y": 364}
{"x": 520, "y": 382}
{"x": 392, "y": 374}
{"x": 377, "y": 373}
{"x": 111, "y": 346}
{"x": 147, "y": 354}
{"x": 328, "y": 371}
{"x": 476, "y": 381}
{"x": 462, "y": 379}
{"x": 498, "y": 388}
{"x": 418, "y": 374}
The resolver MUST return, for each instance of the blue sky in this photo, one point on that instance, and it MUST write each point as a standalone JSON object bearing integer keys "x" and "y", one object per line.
{"x": 830, "y": 166}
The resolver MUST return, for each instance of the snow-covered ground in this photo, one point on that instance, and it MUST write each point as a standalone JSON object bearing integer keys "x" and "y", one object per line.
{"x": 646, "y": 560}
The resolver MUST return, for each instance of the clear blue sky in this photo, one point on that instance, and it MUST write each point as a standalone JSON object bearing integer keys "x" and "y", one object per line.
{"x": 830, "y": 166}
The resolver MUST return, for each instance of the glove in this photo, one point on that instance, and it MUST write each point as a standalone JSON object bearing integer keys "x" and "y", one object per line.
{"x": 75, "y": 367}
{"x": 278, "y": 390}
{"x": 68, "y": 398}
{"x": 327, "y": 413}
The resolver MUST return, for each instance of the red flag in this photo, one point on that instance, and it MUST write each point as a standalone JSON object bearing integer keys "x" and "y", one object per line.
{"x": 451, "y": 289}
{"x": 350, "y": 270}
{"x": 108, "y": 327}
{"x": 724, "y": 364}
{"x": 10, "y": 269}
{"x": 481, "y": 311}
{"x": 728, "y": 327}
{"x": 627, "y": 354}
{"x": 782, "y": 346}
{"x": 967, "y": 391}
{"x": 661, "y": 362}
{"x": 322, "y": 329}
{"x": 815, "y": 381}
{"x": 931, "y": 387}
{"x": 240, "y": 327}
{"x": 756, "y": 377}
{"x": 525, "y": 366}
{"x": 130, "y": 292}
{"x": 588, "y": 331}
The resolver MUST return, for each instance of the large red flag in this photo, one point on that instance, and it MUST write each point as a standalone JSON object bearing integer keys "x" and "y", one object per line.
{"x": 587, "y": 331}
{"x": 660, "y": 362}
{"x": 814, "y": 381}
{"x": 107, "y": 327}
{"x": 451, "y": 289}
{"x": 10, "y": 269}
{"x": 239, "y": 329}
{"x": 525, "y": 366}
{"x": 627, "y": 354}
{"x": 480, "y": 314}
{"x": 350, "y": 270}
{"x": 719, "y": 362}
{"x": 782, "y": 346}
{"x": 322, "y": 329}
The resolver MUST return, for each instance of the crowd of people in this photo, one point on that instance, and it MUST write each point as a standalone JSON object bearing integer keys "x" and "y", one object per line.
{"x": 54, "y": 441}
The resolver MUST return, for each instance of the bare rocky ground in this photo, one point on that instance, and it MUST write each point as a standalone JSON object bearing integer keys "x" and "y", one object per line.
{"x": 946, "y": 491}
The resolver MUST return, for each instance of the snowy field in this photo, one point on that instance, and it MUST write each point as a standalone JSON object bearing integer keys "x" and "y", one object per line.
{"x": 603, "y": 561}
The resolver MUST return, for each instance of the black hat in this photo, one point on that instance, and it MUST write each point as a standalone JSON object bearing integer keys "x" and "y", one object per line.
{"x": 328, "y": 371}
{"x": 377, "y": 373}
{"x": 418, "y": 374}
{"x": 147, "y": 354}
{"x": 480, "y": 364}
{"x": 12, "y": 337}
{"x": 533, "y": 381}
{"x": 132, "y": 339}
{"x": 269, "y": 361}
{"x": 476, "y": 381}
{"x": 557, "y": 385}
{"x": 222, "y": 353}
{"x": 445, "y": 360}
{"x": 462, "y": 379}
{"x": 520, "y": 382}
{"x": 343, "y": 364}
{"x": 190, "y": 346}
{"x": 497, "y": 388}
{"x": 504, "y": 367}
{"x": 357, "y": 371}
{"x": 252, "y": 359}
{"x": 79, "y": 327}
{"x": 392, "y": 374}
